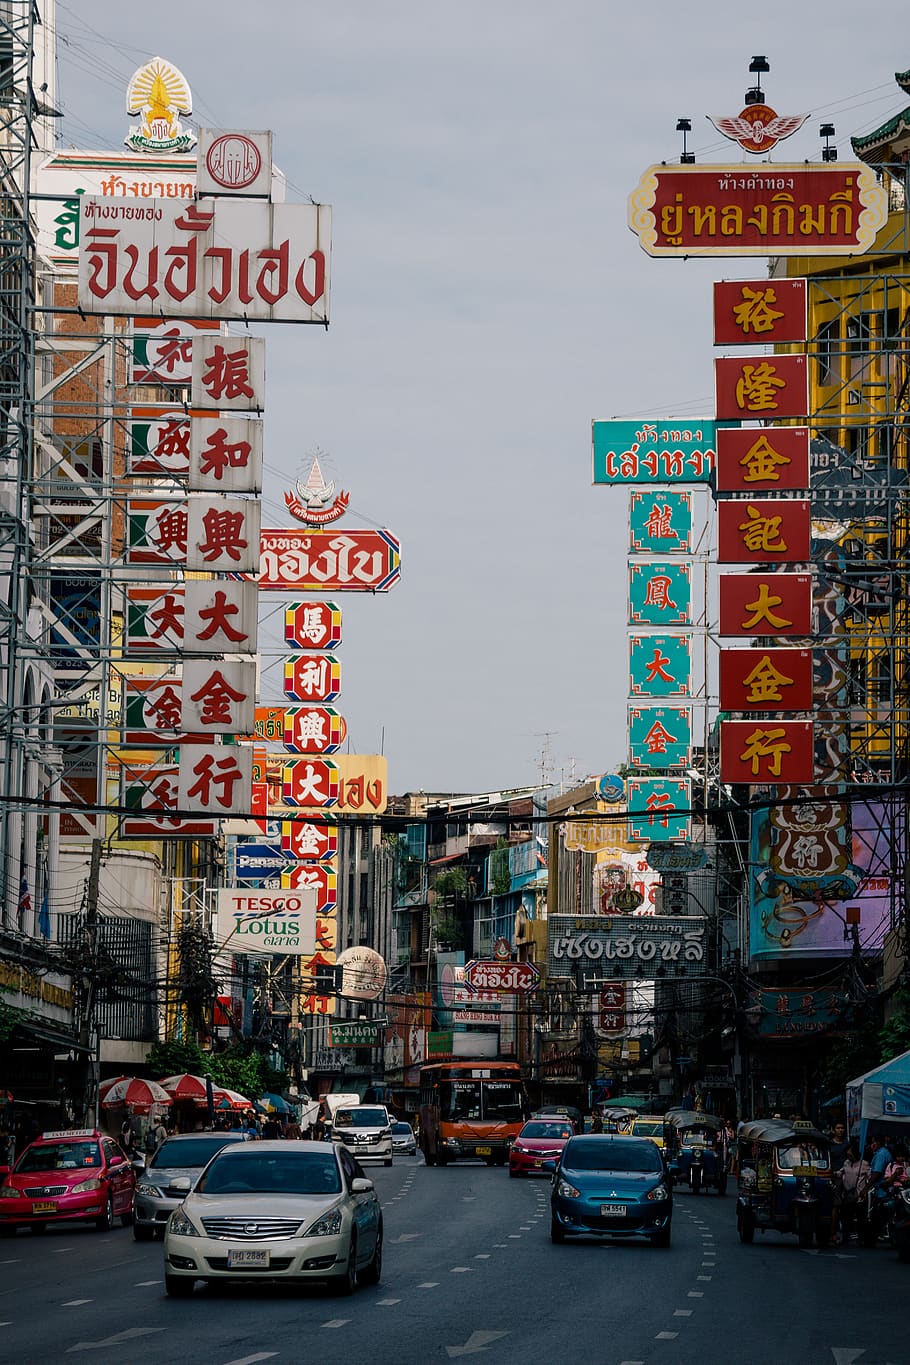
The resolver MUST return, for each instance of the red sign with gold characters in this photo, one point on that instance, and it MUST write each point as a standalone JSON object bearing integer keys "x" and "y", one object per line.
{"x": 787, "y": 210}
{"x": 761, "y": 387}
{"x": 759, "y": 310}
{"x": 763, "y": 531}
{"x": 777, "y": 604}
{"x": 756, "y": 752}
{"x": 762, "y": 459}
{"x": 766, "y": 679}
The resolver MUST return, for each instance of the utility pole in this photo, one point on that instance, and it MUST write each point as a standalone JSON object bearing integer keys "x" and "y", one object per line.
{"x": 89, "y": 966}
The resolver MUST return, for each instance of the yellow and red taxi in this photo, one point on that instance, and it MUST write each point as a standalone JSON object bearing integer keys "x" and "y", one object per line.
{"x": 73, "y": 1175}
{"x": 539, "y": 1145}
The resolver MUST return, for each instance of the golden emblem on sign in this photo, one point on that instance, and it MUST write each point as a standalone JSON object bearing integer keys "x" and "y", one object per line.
{"x": 158, "y": 93}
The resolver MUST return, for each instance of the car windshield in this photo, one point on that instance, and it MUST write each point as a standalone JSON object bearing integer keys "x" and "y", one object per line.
{"x": 497, "y": 1101}
{"x": 802, "y": 1154}
{"x": 254, "y": 1172}
{"x": 189, "y": 1152}
{"x": 607, "y": 1155}
{"x": 401, "y": 1129}
{"x": 361, "y": 1118}
{"x": 59, "y": 1156}
{"x": 546, "y": 1130}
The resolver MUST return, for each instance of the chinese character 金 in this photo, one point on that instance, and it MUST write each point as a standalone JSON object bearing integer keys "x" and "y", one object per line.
{"x": 216, "y": 695}
{"x": 765, "y": 683}
{"x": 760, "y": 462}
{"x": 657, "y": 739}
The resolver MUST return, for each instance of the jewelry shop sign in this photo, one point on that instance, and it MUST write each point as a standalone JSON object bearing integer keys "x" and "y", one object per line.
{"x": 627, "y": 947}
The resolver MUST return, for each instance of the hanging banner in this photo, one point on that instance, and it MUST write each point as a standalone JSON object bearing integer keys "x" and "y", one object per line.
{"x": 765, "y": 604}
{"x": 312, "y": 625}
{"x": 763, "y": 531}
{"x": 762, "y": 460}
{"x": 780, "y": 210}
{"x": 225, "y": 455}
{"x": 755, "y": 387}
{"x": 653, "y": 806}
{"x": 672, "y": 450}
{"x": 660, "y": 594}
{"x": 757, "y": 752}
{"x": 312, "y": 677}
{"x": 766, "y": 679}
{"x": 660, "y": 665}
{"x": 228, "y": 259}
{"x": 770, "y": 311}
{"x": 660, "y": 522}
{"x": 229, "y": 373}
{"x": 660, "y": 737}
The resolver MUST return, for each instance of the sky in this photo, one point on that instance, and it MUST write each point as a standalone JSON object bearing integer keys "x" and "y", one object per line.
{"x": 488, "y": 301}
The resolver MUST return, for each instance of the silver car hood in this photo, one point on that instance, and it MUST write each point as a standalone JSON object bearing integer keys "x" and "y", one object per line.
{"x": 302, "y": 1206}
{"x": 164, "y": 1175}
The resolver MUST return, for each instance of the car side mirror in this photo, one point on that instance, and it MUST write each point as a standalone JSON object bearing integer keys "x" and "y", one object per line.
{"x": 117, "y": 1159}
{"x": 182, "y": 1184}
{"x": 360, "y": 1185}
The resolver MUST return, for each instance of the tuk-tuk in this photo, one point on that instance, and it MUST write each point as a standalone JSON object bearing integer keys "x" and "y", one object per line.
{"x": 695, "y": 1147}
{"x": 784, "y": 1181}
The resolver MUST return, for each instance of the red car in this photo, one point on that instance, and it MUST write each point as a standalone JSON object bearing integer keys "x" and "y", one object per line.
{"x": 73, "y": 1175}
{"x": 538, "y": 1147}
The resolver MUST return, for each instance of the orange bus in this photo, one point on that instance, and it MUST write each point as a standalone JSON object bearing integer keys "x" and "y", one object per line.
{"x": 470, "y": 1109}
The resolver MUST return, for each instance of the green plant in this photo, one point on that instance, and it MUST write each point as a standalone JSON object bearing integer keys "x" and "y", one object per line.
{"x": 451, "y": 883}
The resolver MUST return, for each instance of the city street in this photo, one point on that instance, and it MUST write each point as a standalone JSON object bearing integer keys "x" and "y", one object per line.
{"x": 470, "y": 1271}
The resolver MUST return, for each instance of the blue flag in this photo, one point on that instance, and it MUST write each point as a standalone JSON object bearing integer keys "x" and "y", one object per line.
{"x": 44, "y": 915}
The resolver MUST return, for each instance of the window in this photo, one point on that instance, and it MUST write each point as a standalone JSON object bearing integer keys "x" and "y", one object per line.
{"x": 826, "y": 343}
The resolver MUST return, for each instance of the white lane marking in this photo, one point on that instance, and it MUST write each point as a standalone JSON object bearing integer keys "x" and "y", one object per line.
{"x": 468, "y": 1198}
{"x": 429, "y": 1284}
{"x": 14, "y": 1261}
{"x": 696, "y": 1294}
{"x": 116, "y": 1340}
{"x": 387, "y": 1303}
{"x": 498, "y": 1245}
{"x": 58, "y": 1251}
{"x": 74, "y": 1303}
{"x": 515, "y": 1236}
{"x": 482, "y": 1256}
{"x": 143, "y": 1284}
{"x": 704, "y": 1277}
{"x": 683, "y": 1313}
{"x": 666, "y": 1336}
{"x": 461, "y": 1269}
{"x": 337, "y": 1322}
{"x": 7, "y": 1324}
{"x": 251, "y": 1360}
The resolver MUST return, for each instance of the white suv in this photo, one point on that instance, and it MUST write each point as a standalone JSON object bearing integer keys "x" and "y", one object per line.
{"x": 366, "y": 1130}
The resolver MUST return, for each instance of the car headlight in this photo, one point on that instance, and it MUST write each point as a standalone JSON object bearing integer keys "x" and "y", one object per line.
{"x": 86, "y": 1186}
{"x": 659, "y": 1192}
{"x": 180, "y": 1225}
{"x": 567, "y": 1191}
{"x": 329, "y": 1225}
{"x": 517, "y": 1147}
{"x": 7, "y": 1192}
{"x": 145, "y": 1188}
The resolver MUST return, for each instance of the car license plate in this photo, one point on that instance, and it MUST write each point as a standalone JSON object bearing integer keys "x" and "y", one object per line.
{"x": 612, "y": 1210}
{"x": 484, "y": 1151}
{"x": 805, "y": 1170}
{"x": 44, "y": 1206}
{"x": 237, "y": 1260}
{"x": 538, "y": 1163}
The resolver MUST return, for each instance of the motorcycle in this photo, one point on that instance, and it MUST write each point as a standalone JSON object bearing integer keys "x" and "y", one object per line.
{"x": 899, "y": 1226}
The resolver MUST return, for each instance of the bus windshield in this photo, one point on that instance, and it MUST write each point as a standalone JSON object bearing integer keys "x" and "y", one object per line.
{"x": 493, "y": 1101}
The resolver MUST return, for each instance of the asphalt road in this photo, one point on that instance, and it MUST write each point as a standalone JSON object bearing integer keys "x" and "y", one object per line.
{"x": 470, "y": 1272}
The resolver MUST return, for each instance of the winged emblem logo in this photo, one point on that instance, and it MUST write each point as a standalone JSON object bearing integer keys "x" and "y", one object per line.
{"x": 758, "y": 128}
{"x": 315, "y": 501}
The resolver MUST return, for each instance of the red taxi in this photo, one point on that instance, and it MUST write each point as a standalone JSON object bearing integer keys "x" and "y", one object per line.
{"x": 74, "y": 1175}
{"x": 538, "y": 1147}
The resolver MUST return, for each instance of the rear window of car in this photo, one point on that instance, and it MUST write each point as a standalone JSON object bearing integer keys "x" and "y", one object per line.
{"x": 192, "y": 1152}
{"x": 647, "y": 1128}
{"x": 251, "y": 1172}
{"x": 546, "y": 1130}
{"x": 59, "y": 1156}
{"x": 605, "y": 1154}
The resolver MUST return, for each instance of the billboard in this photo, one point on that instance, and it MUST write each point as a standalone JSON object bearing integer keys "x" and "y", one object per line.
{"x": 626, "y": 947}
{"x": 260, "y": 921}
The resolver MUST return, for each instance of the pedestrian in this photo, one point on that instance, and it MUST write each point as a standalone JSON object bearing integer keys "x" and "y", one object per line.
{"x": 160, "y": 1132}
{"x": 250, "y": 1124}
{"x": 271, "y": 1129}
{"x": 126, "y": 1135}
{"x": 881, "y": 1159}
{"x": 292, "y": 1129}
{"x": 597, "y": 1122}
{"x": 896, "y": 1171}
{"x": 838, "y": 1145}
{"x": 851, "y": 1186}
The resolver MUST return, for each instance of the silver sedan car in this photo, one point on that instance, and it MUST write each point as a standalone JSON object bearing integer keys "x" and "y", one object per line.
{"x": 403, "y": 1139}
{"x": 170, "y": 1173}
{"x": 280, "y": 1211}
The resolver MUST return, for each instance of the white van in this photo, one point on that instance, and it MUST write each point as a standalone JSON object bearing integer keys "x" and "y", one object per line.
{"x": 365, "y": 1129}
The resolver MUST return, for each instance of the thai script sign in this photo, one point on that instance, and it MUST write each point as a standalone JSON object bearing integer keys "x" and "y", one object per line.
{"x": 762, "y": 460}
{"x": 679, "y": 858}
{"x": 785, "y": 210}
{"x": 505, "y": 978}
{"x": 660, "y": 737}
{"x": 759, "y": 310}
{"x": 210, "y": 258}
{"x": 605, "y": 835}
{"x": 672, "y": 450}
{"x": 634, "y": 948}
{"x": 763, "y": 531}
{"x": 329, "y": 561}
{"x": 755, "y": 387}
{"x": 355, "y": 1033}
{"x": 266, "y": 921}
{"x": 757, "y": 752}
{"x": 765, "y": 604}
{"x": 766, "y": 679}
{"x": 660, "y": 522}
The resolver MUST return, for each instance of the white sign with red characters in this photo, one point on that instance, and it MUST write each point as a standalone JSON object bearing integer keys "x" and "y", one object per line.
{"x": 216, "y": 781}
{"x": 222, "y": 258}
{"x": 221, "y": 617}
{"x": 222, "y": 534}
{"x": 229, "y": 162}
{"x": 149, "y": 793}
{"x": 225, "y": 455}
{"x": 229, "y": 373}
{"x": 219, "y": 696}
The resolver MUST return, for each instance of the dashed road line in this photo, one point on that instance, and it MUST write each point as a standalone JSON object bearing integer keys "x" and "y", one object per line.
{"x": 75, "y": 1303}
{"x": 696, "y": 1294}
{"x": 461, "y": 1269}
{"x": 682, "y": 1313}
{"x": 337, "y": 1322}
{"x": 143, "y": 1284}
{"x": 387, "y": 1303}
{"x": 251, "y": 1360}
{"x": 666, "y": 1336}
{"x": 429, "y": 1284}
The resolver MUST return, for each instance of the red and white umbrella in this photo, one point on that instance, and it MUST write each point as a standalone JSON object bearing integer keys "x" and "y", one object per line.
{"x": 185, "y": 1087}
{"x": 230, "y": 1099}
{"x": 135, "y": 1092}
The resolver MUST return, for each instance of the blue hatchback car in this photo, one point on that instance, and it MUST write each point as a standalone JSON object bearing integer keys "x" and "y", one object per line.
{"x": 612, "y": 1186}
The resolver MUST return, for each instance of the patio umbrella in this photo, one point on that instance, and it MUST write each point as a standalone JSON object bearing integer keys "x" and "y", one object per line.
{"x": 230, "y": 1099}
{"x": 105, "y": 1086}
{"x": 186, "y": 1087}
{"x": 274, "y": 1104}
{"x": 135, "y": 1092}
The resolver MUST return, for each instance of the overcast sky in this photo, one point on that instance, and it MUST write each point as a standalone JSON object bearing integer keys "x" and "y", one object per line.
{"x": 488, "y": 301}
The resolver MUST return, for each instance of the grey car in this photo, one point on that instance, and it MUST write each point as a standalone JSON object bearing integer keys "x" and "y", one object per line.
{"x": 179, "y": 1161}
{"x": 403, "y": 1139}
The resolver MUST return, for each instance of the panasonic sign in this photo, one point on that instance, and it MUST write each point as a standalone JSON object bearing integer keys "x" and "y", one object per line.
{"x": 259, "y": 921}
